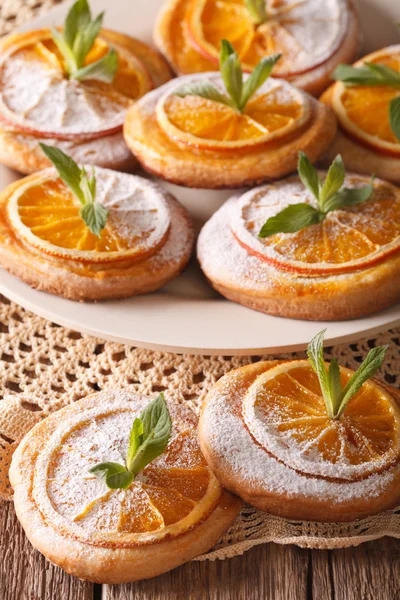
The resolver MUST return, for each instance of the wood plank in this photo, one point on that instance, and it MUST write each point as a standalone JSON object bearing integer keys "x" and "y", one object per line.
{"x": 25, "y": 574}
{"x": 320, "y": 577}
{"x": 368, "y": 572}
{"x": 269, "y": 571}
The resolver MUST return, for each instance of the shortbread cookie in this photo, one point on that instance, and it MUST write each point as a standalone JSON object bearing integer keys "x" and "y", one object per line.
{"x": 313, "y": 36}
{"x": 147, "y": 239}
{"x": 344, "y": 267}
{"x": 172, "y": 511}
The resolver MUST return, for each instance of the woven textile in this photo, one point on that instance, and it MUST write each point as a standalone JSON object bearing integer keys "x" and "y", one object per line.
{"x": 43, "y": 367}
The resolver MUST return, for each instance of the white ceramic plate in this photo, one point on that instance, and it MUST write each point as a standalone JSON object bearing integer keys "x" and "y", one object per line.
{"x": 187, "y": 316}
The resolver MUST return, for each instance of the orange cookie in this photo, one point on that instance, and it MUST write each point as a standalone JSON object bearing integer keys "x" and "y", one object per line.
{"x": 38, "y": 101}
{"x": 365, "y": 138}
{"x": 345, "y": 266}
{"x": 173, "y": 510}
{"x": 313, "y": 36}
{"x": 146, "y": 241}
{"x": 265, "y": 432}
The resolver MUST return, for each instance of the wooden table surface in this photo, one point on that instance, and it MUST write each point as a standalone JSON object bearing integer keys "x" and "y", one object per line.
{"x": 267, "y": 572}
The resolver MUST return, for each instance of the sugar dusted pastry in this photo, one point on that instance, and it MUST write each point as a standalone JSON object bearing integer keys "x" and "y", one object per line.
{"x": 313, "y": 36}
{"x": 91, "y": 235}
{"x": 367, "y": 104}
{"x": 302, "y": 442}
{"x": 306, "y": 250}
{"x": 72, "y": 88}
{"x": 115, "y": 489}
{"x": 224, "y": 130}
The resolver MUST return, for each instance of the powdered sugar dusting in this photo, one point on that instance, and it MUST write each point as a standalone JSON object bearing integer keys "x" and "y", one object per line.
{"x": 76, "y": 501}
{"x": 35, "y": 95}
{"x": 314, "y": 31}
{"x": 226, "y": 435}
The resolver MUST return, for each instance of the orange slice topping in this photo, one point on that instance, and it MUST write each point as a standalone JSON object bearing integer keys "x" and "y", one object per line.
{"x": 305, "y": 32}
{"x": 276, "y": 110}
{"x": 36, "y": 96}
{"x": 351, "y": 238}
{"x": 363, "y": 111}
{"x": 45, "y": 214}
{"x": 173, "y": 494}
{"x": 285, "y": 412}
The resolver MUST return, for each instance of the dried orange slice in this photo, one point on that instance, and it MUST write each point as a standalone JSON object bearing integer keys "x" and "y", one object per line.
{"x": 44, "y": 213}
{"x": 128, "y": 533}
{"x": 276, "y": 110}
{"x": 306, "y": 32}
{"x": 363, "y": 111}
{"x": 347, "y": 240}
{"x": 285, "y": 412}
{"x": 36, "y": 97}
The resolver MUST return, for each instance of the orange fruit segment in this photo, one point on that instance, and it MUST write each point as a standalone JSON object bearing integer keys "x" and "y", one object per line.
{"x": 285, "y": 412}
{"x": 161, "y": 501}
{"x": 46, "y": 215}
{"x": 277, "y": 110}
{"x": 37, "y": 96}
{"x": 363, "y": 111}
{"x": 293, "y": 28}
{"x": 346, "y": 240}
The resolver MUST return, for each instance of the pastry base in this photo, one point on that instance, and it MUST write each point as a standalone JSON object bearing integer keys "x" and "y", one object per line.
{"x": 239, "y": 463}
{"x": 161, "y": 156}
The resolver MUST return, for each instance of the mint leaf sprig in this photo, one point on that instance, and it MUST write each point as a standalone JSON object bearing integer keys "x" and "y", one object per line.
{"x": 330, "y": 195}
{"x": 77, "y": 39}
{"x": 148, "y": 439}
{"x": 238, "y": 92}
{"x": 335, "y": 397}
{"x": 374, "y": 74}
{"x": 83, "y": 187}
{"x": 257, "y": 10}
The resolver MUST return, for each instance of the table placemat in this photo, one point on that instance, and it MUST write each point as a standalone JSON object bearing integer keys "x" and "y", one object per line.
{"x": 43, "y": 367}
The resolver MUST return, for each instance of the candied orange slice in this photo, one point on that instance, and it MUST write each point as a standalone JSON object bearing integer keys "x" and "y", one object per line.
{"x": 36, "y": 95}
{"x": 275, "y": 111}
{"x": 363, "y": 111}
{"x": 305, "y": 32}
{"x": 285, "y": 412}
{"x": 174, "y": 494}
{"x": 348, "y": 239}
{"x": 45, "y": 214}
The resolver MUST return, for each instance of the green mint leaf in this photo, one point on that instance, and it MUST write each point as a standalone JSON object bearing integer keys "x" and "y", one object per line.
{"x": 335, "y": 384}
{"x": 84, "y": 189}
{"x": 226, "y": 51}
{"x": 204, "y": 90}
{"x": 232, "y": 75}
{"x": 367, "y": 369}
{"x": 78, "y": 18}
{"x": 135, "y": 440}
{"x": 257, "y": 10}
{"x": 67, "y": 169}
{"x": 291, "y": 219}
{"x": 157, "y": 428}
{"x": 114, "y": 475}
{"x": 308, "y": 175}
{"x": 349, "y": 197}
{"x": 370, "y": 74}
{"x": 103, "y": 69}
{"x": 85, "y": 39}
{"x": 260, "y": 74}
{"x": 95, "y": 217}
{"x": 394, "y": 116}
{"x": 316, "y": 359}
{"x": 333, "y": 182}
{"x": 65, "y": 50}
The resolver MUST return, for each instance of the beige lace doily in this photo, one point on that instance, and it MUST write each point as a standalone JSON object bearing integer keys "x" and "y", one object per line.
{"x": 43, "y": 367}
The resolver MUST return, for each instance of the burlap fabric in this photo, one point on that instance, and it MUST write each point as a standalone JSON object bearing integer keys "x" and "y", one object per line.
{"x": 43, "y": 367}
